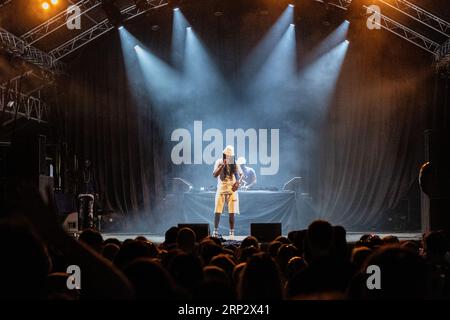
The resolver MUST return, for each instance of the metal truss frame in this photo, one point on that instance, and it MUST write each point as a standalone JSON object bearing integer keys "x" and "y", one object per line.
{"x": 443, "y": 58}
{"x": 16, "y": 78}
{"x": 341, "y": 4}
{"x": 59, "y": 21}
{"x": 22, "y": 47}
{"x": 14, "y": 82}
{"x": 101, "y": 28}
{"x": 444, "y": 50}
{"x": 5, "y": 3}
{"x": 27, "y": 106}
{"x": 405, "y": 32}
{"x": 19, "y": 48}
{"x": 421, "y": 15}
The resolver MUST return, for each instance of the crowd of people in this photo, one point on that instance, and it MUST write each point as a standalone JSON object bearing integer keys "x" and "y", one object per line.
{"x": 316, "y": 263}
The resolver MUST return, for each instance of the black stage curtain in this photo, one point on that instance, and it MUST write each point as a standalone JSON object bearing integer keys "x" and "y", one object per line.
{"x": 104, "y": 123}
{"x": 365, "y": 161}
{"x": 372, "y": 142}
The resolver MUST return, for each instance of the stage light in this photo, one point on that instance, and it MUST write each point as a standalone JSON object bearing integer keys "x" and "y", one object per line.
{"x": 291, "y": 5}
{"x": 176, "y": 9}
{"x": 112, "y": 12}
{"x": 120, "y": 28}
{"x": 189, "y": 28}
{"x": 54, "y": 2}
{"x": 45, "y": 5}
{"x": 136, "y": 47}
{"x": 292, "y": 25}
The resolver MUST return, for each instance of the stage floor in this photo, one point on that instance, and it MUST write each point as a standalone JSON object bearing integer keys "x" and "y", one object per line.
{"x": 352, "y": 237}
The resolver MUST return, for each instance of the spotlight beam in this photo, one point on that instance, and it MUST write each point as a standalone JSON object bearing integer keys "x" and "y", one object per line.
{"x": 320, "y": 78}
{"x": 283, "y": 60}
{"x": 331, "y": 41}
{"x": 179, "y": 25}
{"x": 263, "y": 50}
{"x": 161, "y": 81}
{"x": 201, "y": 74}
{"x": 132, "y": 67}
{"x": 271, "y": 88}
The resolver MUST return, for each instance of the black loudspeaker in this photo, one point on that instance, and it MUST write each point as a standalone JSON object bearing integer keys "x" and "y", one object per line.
{"x": 435, "y": 182}
{"x": 201, "y": 229}
{"x": 26, "y": 157}
{"x": 265, "y": 232}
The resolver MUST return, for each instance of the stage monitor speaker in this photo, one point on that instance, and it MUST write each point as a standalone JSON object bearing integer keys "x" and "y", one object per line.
{"x": 201, "y": 229}
{"x": 70, "y": 222}
{"x": 265, "y": 232}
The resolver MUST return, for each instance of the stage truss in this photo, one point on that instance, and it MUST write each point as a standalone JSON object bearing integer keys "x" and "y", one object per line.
{"x": 101, "y": 28}
{"x": 18, "y": 104}
{"x": 404, "y": 32}
{"x": 50, "y": 62}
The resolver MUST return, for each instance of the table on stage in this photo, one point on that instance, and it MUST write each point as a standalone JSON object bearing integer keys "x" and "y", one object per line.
{"x": 255, "y": 207}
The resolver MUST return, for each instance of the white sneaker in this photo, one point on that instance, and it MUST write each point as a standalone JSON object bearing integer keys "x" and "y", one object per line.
{"x": 215, "y": 234}
{"x": 231, "y": 234}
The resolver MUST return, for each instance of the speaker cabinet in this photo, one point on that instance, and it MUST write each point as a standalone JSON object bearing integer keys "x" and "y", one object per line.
{"x": 265, "y": 232}
{"x": 70, "y": 222}
{"x": 436, "y": 204}
{"x": 27, "y": 157}
{"x": 201, "y": 229}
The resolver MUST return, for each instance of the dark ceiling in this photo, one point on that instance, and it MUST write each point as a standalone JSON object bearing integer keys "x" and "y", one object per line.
{"x": 20, "y": 16}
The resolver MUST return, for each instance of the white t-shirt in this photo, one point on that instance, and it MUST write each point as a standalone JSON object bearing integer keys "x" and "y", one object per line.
{"x": 226, "y": 185}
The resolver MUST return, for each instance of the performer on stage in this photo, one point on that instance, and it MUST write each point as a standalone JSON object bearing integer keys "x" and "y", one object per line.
{"x": 228, "y": 174}
{"x": 249, "y": 177}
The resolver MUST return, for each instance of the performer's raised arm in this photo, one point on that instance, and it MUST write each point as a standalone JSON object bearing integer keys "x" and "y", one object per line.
{"x": 218, "y": 167}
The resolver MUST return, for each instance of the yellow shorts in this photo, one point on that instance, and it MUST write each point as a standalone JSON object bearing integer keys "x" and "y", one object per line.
{"x": 230, "y": 199}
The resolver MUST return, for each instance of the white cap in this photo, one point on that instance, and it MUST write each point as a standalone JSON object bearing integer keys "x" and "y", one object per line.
{"x": 228, "y": 151}
{"x": 241, "y": 160}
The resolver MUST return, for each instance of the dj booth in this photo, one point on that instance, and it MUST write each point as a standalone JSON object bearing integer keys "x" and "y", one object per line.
{"x": 255, "y": 207}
